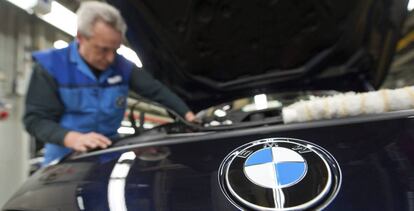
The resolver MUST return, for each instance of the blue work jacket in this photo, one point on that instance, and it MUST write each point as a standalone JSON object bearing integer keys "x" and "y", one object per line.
{"x": 90, "y": 104}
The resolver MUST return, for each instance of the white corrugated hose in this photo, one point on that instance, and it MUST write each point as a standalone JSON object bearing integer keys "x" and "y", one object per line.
{"x": 350, "y": 104}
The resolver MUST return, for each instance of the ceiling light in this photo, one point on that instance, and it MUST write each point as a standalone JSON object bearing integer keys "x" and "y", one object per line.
{"x": 130, "y": 55}
{"x": 61, "y": 18}
{"x": 410, "y": 5}
{"x": 59, "y": 44}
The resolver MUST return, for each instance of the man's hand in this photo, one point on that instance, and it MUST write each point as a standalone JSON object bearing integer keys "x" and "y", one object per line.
{"x": 83, "y": 142}
{"x": 189, "y": 116}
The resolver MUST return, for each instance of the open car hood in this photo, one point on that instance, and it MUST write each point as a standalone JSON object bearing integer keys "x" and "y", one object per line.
{"x": 213, "y": 51}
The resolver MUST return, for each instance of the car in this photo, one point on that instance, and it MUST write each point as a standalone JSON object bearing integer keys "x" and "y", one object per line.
{"x": 238, "y": 64}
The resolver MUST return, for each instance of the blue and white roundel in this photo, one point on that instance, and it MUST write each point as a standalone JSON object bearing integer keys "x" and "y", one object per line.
{"x": 275, "y": 167}
{"x": 279, "y": 174}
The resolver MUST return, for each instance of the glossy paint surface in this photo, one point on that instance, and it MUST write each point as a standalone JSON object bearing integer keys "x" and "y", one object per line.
{"x": 376, "y": 158}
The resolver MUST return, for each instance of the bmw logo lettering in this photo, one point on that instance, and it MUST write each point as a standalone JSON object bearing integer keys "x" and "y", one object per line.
{"x": 280, "y": 174}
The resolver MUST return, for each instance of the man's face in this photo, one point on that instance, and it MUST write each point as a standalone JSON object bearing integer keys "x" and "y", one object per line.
{"x": 99, "y": 49}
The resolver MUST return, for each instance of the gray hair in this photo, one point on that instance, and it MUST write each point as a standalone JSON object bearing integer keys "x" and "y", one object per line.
{"x": 91, "y": 12}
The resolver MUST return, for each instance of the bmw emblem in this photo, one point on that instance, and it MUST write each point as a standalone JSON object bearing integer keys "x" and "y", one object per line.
{"x": 280, "y": 174}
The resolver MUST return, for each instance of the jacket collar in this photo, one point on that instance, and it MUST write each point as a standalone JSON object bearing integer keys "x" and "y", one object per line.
{"x": 76, "y": 58}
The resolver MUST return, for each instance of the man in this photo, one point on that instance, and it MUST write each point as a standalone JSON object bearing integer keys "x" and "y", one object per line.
{"x": 77, "y": 95}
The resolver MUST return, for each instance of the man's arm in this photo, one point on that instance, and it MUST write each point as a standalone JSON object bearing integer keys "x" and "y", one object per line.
{"x": 43, "y": 112}
{"x": 145, "y": 85}
{"x": 44, "y": 108}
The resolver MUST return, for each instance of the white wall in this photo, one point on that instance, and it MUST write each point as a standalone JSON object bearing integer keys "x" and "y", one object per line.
{"x": 14, "y": 152}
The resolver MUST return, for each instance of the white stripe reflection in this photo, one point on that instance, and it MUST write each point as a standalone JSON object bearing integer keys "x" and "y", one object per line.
{"x": 116, "y": 185}
{"x": 278, "y": 195}
{"x": 279, "y": 198}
